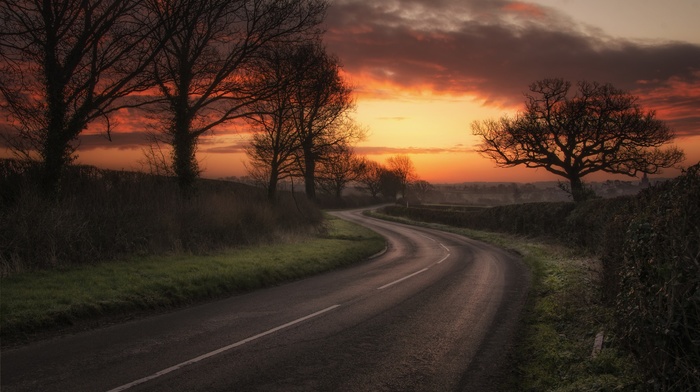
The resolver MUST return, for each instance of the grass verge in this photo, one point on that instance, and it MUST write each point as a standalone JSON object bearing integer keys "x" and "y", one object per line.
{"x": 36, "y": 302}
{"x": 564, "y": 314}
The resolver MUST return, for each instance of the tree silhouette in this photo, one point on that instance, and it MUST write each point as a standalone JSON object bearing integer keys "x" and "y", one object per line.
{"x": 275, "y": 142}
{"x": 320, "y": 104}
{"x": 206, "y": 73}
{"x": 370, "y": 176}
{"x": 339, "y": 167}
{"x": 403, "y": 169}
{"x": 302, "y": 122}
{"x": 66, "y": 64}
{"x": 599, "y": 128}
{"x": 389, "y": 183}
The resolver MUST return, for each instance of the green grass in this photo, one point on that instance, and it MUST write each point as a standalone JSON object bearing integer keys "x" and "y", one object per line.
{"x": 565, "y": 312}
{"x": 37, "y": 302}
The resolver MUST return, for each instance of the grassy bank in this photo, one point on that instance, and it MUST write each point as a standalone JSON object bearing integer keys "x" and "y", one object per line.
{"x": 565, "y": 312}
{"x": 41, "y": 301}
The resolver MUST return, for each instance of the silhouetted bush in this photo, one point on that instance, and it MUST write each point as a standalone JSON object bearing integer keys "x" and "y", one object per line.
{"x": 581, "y": 224}
{"x": 655, "y": 273}
{"x": 102, "y": 215}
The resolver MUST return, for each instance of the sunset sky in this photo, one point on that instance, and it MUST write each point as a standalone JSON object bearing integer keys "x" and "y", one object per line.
{"x": 423, "y": 70}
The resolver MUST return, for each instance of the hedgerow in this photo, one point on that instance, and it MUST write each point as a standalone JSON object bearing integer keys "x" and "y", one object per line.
{"x": 102, "y": 215}
{"x": 657, "y": 282}
{"x": 581, "y": 224}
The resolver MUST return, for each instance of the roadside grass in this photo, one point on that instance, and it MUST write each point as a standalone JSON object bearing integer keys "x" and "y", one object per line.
{"x": 41, "y": 302}
{"x": 564, "y": 314}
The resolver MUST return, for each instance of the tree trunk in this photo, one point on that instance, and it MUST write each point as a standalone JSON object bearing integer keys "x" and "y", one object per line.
{"x": 578, "y": 192}
{"x": 309, "y": 173}
{"x": 272, "y": 184}
{"x": 184, "y": 160}
{"x": 338, "y": 192}
{"x": 310, "y": 180}
{"x": 55, "y": 151}
{"x": 54, "y": 160}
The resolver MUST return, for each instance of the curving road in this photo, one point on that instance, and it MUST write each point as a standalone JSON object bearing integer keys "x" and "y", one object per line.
{"x": 435, "y": 312}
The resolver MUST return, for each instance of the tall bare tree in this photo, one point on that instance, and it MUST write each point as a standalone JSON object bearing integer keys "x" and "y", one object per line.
{"x": 206, "y": 73}
{"x": 598, "y": 128}
{"x": 274, "y": 143}
{"x": 68, "y": 63}
{"x": 321, "y": 104}
{"x": 370, "y": 176}
{"x": 339, "y": 167}
{"x": 404, "y": 170}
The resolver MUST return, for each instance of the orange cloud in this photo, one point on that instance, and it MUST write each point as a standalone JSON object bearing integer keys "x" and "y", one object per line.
{"x": 525, "y": 9}
{"x": 677, "y": 101}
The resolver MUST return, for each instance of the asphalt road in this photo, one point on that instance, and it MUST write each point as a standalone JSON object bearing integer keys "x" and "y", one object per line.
{"x": 435, "y": 312}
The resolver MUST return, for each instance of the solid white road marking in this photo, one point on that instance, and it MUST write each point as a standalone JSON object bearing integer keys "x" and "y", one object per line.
{"x": 402, "y": 279}
{"x": 443, "y": 259}
{"x": 219, "y": 351}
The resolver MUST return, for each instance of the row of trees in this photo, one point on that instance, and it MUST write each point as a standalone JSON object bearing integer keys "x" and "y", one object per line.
{"x": 569, "y": 133}
{"x": 391, "y": 180}
{"x": 341, "y": 168}
{"x": 193, "y": 64}
{"x": 302, "y": 127}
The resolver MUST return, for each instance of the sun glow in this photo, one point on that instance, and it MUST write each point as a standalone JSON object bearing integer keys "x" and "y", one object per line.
{"x": 422, "y": 75}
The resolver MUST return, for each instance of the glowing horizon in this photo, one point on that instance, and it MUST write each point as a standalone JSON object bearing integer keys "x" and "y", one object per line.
{"x": 424, "y": 71}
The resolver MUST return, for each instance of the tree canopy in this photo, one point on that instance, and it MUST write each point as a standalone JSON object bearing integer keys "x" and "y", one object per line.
{"x": 303, "y": 127}
{"x": 572, "y": 134}
{"x": 65, "y": 64}
{"x": 208, "y": 72}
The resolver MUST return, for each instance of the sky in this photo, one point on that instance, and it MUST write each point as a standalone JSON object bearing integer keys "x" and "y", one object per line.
{"x": 424, "y": 70}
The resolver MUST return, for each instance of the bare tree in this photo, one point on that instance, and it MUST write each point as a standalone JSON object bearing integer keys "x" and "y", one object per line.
{"x": 402, "y": 167}
{"x": 68, "y": 63}
{"x": 389, "y": 183}
{"x": 206, "y": 73}
{"x": 599, "y": 128}
{"x": 422, "y": 189}
{"x": 339, "y": 167}
{"x": 370, "y": 176}
{"x": 275, "y": 142}
{"x": 321, "y": 103}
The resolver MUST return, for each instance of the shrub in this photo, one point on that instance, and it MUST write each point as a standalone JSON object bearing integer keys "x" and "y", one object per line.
{"x": 102, "y": 215}
{"x": 581, "y": 224}
{"x": 658, "y": 282}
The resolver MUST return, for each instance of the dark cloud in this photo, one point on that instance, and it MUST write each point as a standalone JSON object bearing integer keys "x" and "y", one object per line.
{"x": 91, "y": 140}
{"x": 495, "y": 49}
